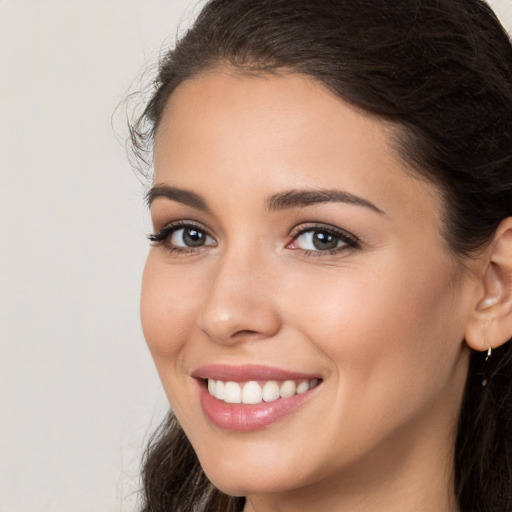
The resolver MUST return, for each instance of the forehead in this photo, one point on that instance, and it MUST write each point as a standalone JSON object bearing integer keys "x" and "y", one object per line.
{"x": 239, "y": 105}
{"x": 271, "y": 132}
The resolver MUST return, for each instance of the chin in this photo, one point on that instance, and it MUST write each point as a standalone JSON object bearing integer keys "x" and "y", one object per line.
{"x": 245, "y": 474}
{"x": 247, "y": 484}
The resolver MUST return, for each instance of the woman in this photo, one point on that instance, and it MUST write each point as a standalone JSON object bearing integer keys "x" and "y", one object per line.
{"x": 328, "y": 293}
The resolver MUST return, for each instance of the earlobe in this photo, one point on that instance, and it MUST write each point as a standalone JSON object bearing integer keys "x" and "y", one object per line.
{"x": 491, "y": 322}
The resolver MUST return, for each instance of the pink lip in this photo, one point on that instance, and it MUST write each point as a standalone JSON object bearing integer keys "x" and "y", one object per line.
{"x": 244, "y": 373}
{"x": 242, "y": 417}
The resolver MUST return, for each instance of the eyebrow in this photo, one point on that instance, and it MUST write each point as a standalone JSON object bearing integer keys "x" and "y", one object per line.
{"x": 301, "y": 198}
{"x": 280, "y": 201}
{"x": 177, "y": 194}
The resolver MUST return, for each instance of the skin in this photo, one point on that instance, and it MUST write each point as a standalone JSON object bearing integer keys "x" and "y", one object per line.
{"x": 383, "y": 324}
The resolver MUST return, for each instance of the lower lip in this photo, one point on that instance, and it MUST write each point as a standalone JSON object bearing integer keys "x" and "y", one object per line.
{"x": 242, "y": 417}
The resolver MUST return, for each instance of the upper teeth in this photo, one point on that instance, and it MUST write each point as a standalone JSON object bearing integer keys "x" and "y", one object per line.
{"x": 253, "y": 393}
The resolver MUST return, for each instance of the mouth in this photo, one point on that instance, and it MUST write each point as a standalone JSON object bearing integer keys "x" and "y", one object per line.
{"x": 251, "y": 397}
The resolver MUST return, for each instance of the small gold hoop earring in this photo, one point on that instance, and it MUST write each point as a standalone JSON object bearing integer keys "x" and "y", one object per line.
{"x": 485, "y": 381}
{"x": 489, "y": 353}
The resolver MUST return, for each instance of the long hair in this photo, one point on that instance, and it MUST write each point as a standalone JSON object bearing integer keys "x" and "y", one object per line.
{"x": 441, "y": 71}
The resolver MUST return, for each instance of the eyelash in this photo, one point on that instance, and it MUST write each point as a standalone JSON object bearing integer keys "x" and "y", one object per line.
{"x": 162, "y": 237}
{"x": 350, "y": 240}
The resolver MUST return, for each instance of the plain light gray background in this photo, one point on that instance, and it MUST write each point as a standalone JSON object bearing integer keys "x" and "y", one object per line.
{"x": 78, "y": 391}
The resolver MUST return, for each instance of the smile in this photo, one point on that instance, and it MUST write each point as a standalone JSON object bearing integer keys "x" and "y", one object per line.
{"x": 255, "y": 392}
{"x": 245, "y": 398}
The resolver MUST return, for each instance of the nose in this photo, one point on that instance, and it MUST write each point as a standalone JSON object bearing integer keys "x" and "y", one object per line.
{"x": 240, "y": 303}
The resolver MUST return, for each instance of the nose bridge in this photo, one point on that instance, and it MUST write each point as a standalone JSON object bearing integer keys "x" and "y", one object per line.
{"x": 238, "y": 303}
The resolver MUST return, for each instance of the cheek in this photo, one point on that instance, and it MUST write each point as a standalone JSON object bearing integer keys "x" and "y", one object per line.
{"x": 392, "y": 334}
{"x": 167, "y": 311}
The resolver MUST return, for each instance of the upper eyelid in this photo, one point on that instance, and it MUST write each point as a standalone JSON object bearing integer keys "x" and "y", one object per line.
{"x": 180, "y": 224}
{"x": 159, "y": 235}
{"x": 305, "y": 227}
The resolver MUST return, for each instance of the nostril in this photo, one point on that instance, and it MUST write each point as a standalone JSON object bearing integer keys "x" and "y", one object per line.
{"x": 246, "y": 333}
{"x": 243, "y": 323}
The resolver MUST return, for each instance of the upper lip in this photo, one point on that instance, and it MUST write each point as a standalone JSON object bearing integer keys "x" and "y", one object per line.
{"x": 244, "y": 373}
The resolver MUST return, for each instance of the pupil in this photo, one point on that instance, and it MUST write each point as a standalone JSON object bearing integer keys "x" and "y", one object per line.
{"x": 324, "y": 241}
{"x": 193, "y": 237}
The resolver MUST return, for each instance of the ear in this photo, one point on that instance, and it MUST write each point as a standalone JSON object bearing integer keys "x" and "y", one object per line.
{"x": 490, "y": 324}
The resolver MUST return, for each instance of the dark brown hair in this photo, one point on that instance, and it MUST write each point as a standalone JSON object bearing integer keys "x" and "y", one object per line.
{"x": 441, "y": 70}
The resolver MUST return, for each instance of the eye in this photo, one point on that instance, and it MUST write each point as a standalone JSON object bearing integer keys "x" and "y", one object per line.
{"x": 182, "y": 237}
{"x": 326, "y": 239}
{"x": 189, "y": 237}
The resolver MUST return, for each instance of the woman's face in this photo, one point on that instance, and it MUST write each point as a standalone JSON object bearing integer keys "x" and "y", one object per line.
{"x": 293, "y": 246}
